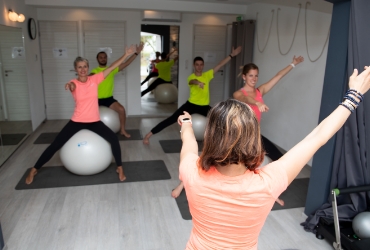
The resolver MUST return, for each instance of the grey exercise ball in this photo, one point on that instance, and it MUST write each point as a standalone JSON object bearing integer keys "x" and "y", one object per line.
{"x": 165, "y": 93}
{"x": 199, "y": 126}
{"x": 361, "y": 225}
{"x": 110, "y": 118}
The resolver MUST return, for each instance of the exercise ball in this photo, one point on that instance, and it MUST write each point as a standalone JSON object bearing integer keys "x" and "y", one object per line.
{"x": 266, "y": 160}
{"x": 165, "y": 93}
{"x": 86, "y": 153}
{"x": 110, "y": 118}
{"x": 361, "y": 225}
{"x": 199, "y": 126}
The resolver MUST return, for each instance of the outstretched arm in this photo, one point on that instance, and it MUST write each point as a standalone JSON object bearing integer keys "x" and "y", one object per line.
{"x": 128, "y": 52}
{"x": 296, "y": 158}
{"x": 266, "y": 87}
{"x": 132, "y": 58}
{"x": 169, "y": 54}
{"x": 238, "y": 95}
{"x": 234, "y": 52}
{"x": 189, "y": 143}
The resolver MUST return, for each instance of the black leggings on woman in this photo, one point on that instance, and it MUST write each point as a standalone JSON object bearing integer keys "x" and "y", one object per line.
{"x": 72, "y": 128}
{"x": 154, "y": 85}
{"x": 152, "y": 74}
{"x": 188, "y": 107}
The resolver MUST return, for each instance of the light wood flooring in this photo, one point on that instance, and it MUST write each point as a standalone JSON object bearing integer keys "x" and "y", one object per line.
{"x": 133, "y": 216}
{"x": 13, "y": 127}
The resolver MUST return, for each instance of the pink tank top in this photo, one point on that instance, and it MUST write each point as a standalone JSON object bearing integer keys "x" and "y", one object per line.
{"x": 258, "y": 98}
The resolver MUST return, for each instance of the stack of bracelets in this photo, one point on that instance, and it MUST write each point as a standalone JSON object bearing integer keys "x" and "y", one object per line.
{"x": 350, "y": 99}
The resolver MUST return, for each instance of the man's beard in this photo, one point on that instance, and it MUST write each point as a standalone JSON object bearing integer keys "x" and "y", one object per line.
{"x": 103, "y": 64}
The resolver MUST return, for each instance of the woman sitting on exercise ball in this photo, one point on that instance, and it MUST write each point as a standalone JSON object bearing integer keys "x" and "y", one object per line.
{"x": 84, "y": 90}
{"x": 229, "y": 199}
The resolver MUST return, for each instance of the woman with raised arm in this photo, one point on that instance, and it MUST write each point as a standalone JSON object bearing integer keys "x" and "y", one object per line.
{"x": 84, "y": 90}
{"x": 229, "y": 198}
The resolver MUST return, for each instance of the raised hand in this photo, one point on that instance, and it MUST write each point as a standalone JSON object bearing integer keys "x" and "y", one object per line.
{"x": 185, "y": 115}
{"x": 139, "y": 48}
{"x": 297, "y": 60}
{"x": 360, "y": 82}
{"x": 235, "y": 52}
{"x": 71, "y": 86}
{"x": 130, "y": 50}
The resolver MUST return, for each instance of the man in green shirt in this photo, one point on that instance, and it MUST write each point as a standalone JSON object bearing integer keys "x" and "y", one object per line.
{"x": 164, "y": 71}
{"x": 199, "y": 84}
{"x": 106, "y": 88}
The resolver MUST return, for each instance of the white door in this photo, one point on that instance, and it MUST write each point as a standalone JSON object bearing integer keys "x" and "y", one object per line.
{"x": 210, "y": 44}
{"x": 15, "y": 99}
{"x": 110, "y": 37}
{"x": 59, "y": 49}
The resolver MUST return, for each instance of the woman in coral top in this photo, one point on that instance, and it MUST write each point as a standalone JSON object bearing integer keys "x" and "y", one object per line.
{"x": 84, "y": 90}
{"x": 229, "y": 198}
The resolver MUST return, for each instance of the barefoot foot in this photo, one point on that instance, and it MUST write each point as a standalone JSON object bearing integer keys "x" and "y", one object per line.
{"x": 177, "y": 191}
{"x": 31, "y": 175}
{"x": 146, "y": 139}
{"x": 121, "y": 175}
{"x": 125, "y": 134}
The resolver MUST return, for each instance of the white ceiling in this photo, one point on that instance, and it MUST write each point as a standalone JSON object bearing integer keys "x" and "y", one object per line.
{"x": 196, "y": 6}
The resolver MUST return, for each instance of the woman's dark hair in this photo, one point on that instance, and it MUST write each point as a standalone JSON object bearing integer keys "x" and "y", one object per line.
{"x": 232, "y": 136}
{"x": 198, "y": 58}
{"x": 101, "y": 52}
{"x": 248, "y": 67}
{"x": 163, "y": 55}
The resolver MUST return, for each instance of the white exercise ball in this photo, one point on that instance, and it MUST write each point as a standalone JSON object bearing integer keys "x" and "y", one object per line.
{"x": 165, "y": 93}
{"x": 151, "y": 80}
{"x": 199, "y": 126}
{"x": 361, "y": 225}
{"x": 266, "y": 160}
{"x": 110, "y": 118}
{"x": 86, "y": 153}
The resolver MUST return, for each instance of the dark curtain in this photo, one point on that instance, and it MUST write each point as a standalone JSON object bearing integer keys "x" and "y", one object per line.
{"x": 242, "y": 35}
{"x": 350, "y": 165}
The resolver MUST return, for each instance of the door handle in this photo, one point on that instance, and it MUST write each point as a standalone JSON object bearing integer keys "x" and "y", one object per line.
{"x": 7, "y": 71}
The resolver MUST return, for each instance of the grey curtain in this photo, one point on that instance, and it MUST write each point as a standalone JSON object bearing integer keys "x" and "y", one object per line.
{"x": 242, "y": 35}
{"x": 350, "y": 165}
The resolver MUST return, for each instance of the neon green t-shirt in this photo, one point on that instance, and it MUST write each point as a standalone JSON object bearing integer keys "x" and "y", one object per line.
{"x": 106, "y": 87}
{"x": 164, "y": 70}
{"x": 200, "y": 96}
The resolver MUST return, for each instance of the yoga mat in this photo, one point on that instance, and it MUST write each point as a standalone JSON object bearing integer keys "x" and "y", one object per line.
{"x": 174, "y": 146}
{"x": 11, "y": 139}
{"x": 48, "y": 138}
{"x": 52, "y": 177}
{"x": 294, "y": 196}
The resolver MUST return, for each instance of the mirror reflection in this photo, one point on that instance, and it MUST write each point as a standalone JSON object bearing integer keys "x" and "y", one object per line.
{"x": 15, "y": 116}
{"x": 159, "y": 69}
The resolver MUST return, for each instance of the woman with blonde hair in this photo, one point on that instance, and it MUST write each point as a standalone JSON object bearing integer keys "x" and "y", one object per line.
{"x": 229, "y": 198}
{"x": 84, "y": 90}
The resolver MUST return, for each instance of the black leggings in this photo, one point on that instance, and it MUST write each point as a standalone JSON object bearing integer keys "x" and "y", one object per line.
{"x": 152, "y": 74}
{"x": 271, "y": 150}
{"x": 188, "y": 107}
{"x": 152, "y": 86}
{"x": 72, "y": 128}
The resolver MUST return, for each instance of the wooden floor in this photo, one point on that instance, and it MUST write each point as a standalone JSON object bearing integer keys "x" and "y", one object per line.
{"x": 135, "y": 216}
{"x": 13, "y": 127}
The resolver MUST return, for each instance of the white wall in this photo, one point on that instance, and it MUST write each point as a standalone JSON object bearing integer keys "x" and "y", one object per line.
{"x": 34, "y": 77}
{"x": 295, "y": 102}
{"x": 133, "y": 21}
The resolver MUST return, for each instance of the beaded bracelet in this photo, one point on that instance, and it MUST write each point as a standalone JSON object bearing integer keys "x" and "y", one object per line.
{"x": 355, "y": 93}
{"x": 348, "y": 106}
{"x": 348, "y": 97}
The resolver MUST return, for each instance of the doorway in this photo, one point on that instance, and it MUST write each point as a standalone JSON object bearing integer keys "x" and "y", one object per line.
{"x": 157, "y": 39}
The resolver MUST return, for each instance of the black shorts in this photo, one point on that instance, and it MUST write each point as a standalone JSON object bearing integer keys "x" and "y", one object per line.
{"x": 107, "y": 101}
